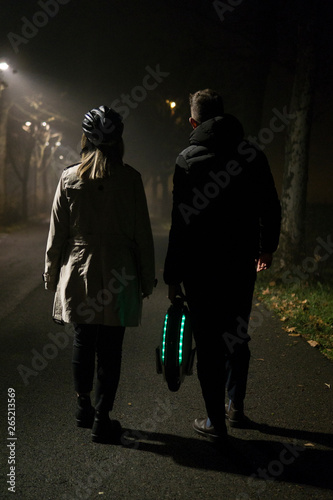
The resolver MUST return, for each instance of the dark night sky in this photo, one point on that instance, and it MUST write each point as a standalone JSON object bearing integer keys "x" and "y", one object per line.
{"x": 93, "y": 52}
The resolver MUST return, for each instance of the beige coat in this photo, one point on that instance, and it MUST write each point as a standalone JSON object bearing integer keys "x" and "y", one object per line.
{"x": 100, "y": 254}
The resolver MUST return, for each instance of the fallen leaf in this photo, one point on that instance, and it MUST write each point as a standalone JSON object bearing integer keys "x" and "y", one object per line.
{"x": 313, "y": 343}
{"x": 309, "y": 444}
{"x": 328, "y": 385}
{"x": 266, "y": 292}
{"x": 272, "y": 283}
{"x": 259, "y": 359}
{"x": 294, "y": 334}
{"x": 284, "y": 318}
{"x": 290, "y": 329}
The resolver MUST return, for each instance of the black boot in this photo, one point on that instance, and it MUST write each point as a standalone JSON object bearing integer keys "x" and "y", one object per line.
{"x": 85, "y": 412}
{"x": 105, "y": 430}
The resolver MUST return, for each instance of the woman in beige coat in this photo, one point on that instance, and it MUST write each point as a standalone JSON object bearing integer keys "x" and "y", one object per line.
{"x": 100, "y": 263}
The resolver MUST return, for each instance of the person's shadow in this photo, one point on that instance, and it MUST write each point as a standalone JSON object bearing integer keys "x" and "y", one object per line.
{"x": 303, "y": 457}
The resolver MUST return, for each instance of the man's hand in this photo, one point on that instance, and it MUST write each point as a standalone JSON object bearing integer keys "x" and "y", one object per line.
{"x": 264, "y": 262}
{"x": 175, "y": 291}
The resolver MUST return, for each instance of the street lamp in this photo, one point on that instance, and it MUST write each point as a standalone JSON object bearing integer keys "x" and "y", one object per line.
{"x": 172, "y": 104}
{"x": 4, "y": 66}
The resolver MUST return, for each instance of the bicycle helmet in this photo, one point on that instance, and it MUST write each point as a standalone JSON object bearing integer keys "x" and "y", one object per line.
{"x": 102, "y": 125}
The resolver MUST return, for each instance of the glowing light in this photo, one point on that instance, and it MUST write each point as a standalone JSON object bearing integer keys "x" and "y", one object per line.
{"x": 44, "y": 124}
{"x": 61, "y": 157}
{"x": 172, "y": 104}
{"x": 181, "y": 339}
{"x": 164, "y": 337}
{"x": 4, "y": 66}
{"x": 28, "y": 124}
{"x": 58, "y": 143}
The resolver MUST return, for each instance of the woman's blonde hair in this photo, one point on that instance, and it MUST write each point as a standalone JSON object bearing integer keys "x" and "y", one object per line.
{"x": 97, "y": 162}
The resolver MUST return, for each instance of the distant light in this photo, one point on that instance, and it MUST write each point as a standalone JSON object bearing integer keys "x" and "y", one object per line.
{"x": 44, "y": 124}
{"x": 47, "y": 144}
{"x": 28, "y": 124}
{"x": 58, "y": 143}
{"x": 61, "y": 157}
{"x": 172, "y": 104}
{"x": 4, "y": 66}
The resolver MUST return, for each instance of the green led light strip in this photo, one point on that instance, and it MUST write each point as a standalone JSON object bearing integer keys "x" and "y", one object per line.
{"x": 164, "y": 336}
{"x": 181, "y": 338}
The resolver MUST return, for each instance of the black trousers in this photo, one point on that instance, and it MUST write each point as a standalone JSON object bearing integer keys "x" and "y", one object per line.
{"x": 104, "y": 344}
{"x": 220, "y": 307}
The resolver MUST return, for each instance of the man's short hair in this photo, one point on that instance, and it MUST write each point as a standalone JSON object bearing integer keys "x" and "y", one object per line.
{"x": 206, "y": 104}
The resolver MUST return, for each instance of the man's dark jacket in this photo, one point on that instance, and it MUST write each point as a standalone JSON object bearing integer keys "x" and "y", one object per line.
{"x": 226, "y": 209}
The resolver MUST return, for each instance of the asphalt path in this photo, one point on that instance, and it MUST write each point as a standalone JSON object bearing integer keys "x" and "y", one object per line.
{"x": 287, "y": 453}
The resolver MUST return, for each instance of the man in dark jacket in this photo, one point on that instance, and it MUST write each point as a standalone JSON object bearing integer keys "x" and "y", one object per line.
{"x": 225, "y": 227}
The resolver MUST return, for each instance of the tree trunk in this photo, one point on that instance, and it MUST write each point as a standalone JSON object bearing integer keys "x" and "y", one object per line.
{"x": 25, "y": 208}
{"x": 294, "y": 190}
{"x": 4, "y": 108}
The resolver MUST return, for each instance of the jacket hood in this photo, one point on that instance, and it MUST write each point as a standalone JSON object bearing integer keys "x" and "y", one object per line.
{"x": 217, "y": 133}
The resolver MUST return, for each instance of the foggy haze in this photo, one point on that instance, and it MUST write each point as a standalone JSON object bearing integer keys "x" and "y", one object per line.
{"x": 70, "y": 56}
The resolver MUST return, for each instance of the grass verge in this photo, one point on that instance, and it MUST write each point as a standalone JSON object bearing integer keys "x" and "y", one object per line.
{"x": 304, "y": 302}
{"x": 305, "y": 309}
